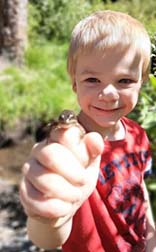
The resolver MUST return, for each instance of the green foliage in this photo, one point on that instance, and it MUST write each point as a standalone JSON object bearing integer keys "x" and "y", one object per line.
{"x": 56, "y": 18}
{"x": 38, "y": 91}
{"x": 143, "y": 10}
{"x": 151, "y": 185}
{"x": 145, "y": 110}
{"x": 34, "y": 18}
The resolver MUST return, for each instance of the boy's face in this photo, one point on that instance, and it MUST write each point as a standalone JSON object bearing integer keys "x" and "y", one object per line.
{"x": 108, "y": 84}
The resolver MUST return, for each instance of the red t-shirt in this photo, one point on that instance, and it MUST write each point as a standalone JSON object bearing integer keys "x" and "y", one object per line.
{"x": 113, "y": 219}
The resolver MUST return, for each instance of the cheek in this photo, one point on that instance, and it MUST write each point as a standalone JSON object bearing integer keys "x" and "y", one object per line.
{"x": 82, "y": 93}
{"x": 84, "y": 99}
{"x": 86, "y": 96}
{"x": 131, "y": 98}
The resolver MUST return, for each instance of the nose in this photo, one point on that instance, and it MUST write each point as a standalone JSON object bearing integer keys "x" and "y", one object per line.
{"x": 109, "y": 93}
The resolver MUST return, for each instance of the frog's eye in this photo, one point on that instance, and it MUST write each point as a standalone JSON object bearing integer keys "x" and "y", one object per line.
{"x": 72, "y": 116}
{"x": 62, "y": 117}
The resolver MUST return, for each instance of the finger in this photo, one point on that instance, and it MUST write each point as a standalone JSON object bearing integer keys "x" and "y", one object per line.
{"x": 35, "y": 203}
{"x": 62, "y": 161}
{"x": 72, "y": 139}
{"x": 50, "y": 184}
{"x": 37, "y": 147}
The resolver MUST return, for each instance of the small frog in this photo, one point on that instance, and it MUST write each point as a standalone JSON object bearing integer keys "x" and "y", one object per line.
{"x": 66, "y": 119}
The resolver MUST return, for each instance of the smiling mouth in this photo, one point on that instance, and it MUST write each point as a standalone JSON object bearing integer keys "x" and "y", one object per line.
{"x": 105, "y": 110}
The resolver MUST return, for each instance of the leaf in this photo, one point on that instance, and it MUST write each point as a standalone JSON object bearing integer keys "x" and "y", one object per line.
{"x": 152, "y": 79}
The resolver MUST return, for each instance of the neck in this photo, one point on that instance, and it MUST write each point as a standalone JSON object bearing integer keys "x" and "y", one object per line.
{"x": 112, "y": 133}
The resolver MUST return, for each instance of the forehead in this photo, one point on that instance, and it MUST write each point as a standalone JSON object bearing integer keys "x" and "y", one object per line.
{"x": 116, "y": 59}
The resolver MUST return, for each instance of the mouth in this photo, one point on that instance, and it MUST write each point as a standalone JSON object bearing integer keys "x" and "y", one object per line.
{"x": 107, "y": 110}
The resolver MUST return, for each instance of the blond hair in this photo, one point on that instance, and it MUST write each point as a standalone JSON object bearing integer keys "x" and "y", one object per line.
{"x": 107, "y": 29}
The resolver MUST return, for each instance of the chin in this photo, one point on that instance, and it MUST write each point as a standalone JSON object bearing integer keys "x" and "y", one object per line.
{"x": 106, "y": 124}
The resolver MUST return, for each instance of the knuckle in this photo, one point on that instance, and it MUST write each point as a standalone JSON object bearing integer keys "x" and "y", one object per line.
{"x": 25, "y": 168}
{"x": 59, "y": 208}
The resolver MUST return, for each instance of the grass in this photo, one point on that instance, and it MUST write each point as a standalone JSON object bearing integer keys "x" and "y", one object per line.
{"x": 40, "y": 89}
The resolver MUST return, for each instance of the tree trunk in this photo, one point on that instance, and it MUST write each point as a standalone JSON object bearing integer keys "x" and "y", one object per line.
{"x": 13, "y": 29}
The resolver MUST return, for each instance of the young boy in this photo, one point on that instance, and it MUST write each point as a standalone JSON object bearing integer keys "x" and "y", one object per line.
{"x": 88, "y": 195}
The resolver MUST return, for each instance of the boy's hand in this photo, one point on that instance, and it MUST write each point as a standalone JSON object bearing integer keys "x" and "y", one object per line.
{"x": 59, "y": 177}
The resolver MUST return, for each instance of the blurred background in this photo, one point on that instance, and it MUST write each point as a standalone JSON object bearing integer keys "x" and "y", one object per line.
{"x": 35, "y": 87}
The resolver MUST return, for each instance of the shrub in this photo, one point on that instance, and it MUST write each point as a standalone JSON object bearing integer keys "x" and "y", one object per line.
{"x": 145, "y": 111}
{"x": 56, "y": 18}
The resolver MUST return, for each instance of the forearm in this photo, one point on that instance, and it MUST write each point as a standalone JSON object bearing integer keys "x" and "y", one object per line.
{"x": 45, "y": 235}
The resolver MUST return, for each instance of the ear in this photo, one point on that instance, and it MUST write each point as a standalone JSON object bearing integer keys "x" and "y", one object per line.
{"x": 74, "y": 86}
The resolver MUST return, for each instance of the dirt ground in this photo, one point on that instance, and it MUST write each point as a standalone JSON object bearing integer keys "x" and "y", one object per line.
{"x": 13, "y": 235}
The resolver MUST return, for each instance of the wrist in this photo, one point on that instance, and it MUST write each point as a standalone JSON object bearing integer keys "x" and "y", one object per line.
{"x": 45, "y": 235}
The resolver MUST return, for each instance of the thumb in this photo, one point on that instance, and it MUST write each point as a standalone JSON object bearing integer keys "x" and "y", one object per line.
{"x": 95, "y": 144}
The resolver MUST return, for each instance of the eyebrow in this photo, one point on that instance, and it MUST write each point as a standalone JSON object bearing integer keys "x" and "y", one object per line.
{"x": 91, "y": 72}
{"x": 124, "y": 73}
{"x": 128, "y": 74}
